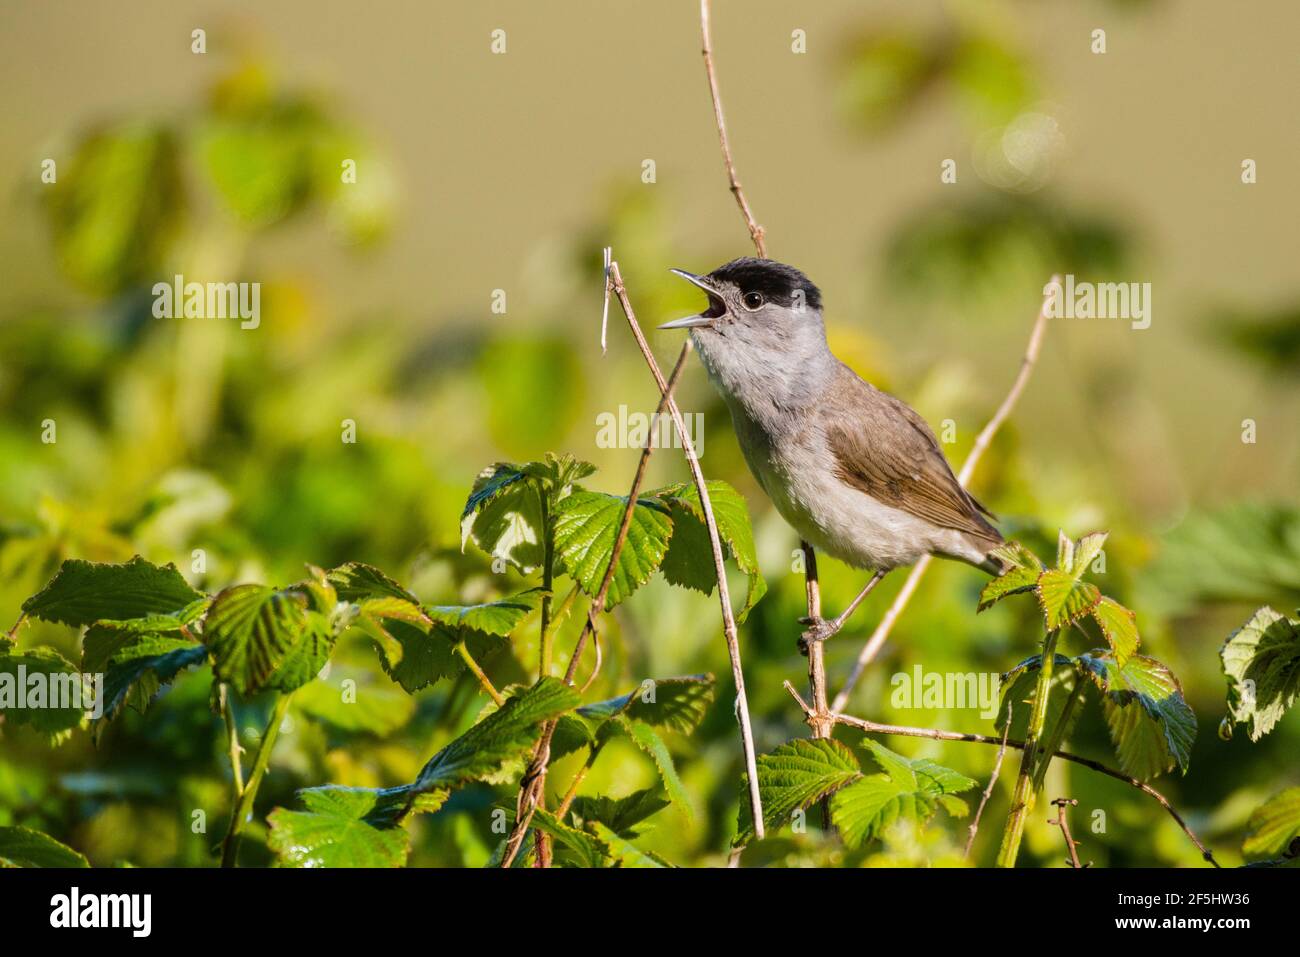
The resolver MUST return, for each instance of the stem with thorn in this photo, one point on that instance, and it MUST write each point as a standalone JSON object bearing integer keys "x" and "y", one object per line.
{"x": 244, "y": 806}
{"x": 1022, "y": 799}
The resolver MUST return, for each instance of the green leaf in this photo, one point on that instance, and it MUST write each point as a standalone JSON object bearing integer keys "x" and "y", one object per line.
{"x": 1064, "y": 599}
{"x": 1014, "y": 582}
{"x": 586, "y": 526}
{"x": 1274, "y": 825}
{"x": 909, "y": 789}
{"x": 1086, "y": 551}
{"x": 1150, "y": 724}
{"x": 357, "y": 582}
{"x": 19, "y": 701}
{"x": 678, "y": 704}
{"x": 498, "y": 738}
{"x": 358, "y": 708}
{"x": 573, "y": 846}
{"x": 346, "y": 827}
{"x": 499, "y": 617}
{"x": 503, "y": 516}
{"x": 793, "y": 777}
{"x": 689, "y": 562}
{"x": 620, "y": 815}
{"x": 626, "y": 854}
{"x": 264, "y": 638}
{"x": 414, "y": 655}
{"x": 136, "y": 669}
{"x": 84, "y": 592}
{"x": 1261, "y": 663}
{"x": 1119, "y": 625}
{"x": 23, "y": 847}
{"x": 647, "y": 739}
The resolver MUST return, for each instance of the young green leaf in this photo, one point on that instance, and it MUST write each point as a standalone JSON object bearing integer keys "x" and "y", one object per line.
{"x": 264, "y": 638}
{"x": 1150, "y": 724}
{"x": 136, "y": 669}
{"x": 356, "y": 581}
{"x": 586, "y": 527}
{"x": 498, "y": 738}
{"x": 689, "y": 562}
{"x": 503, "y": 516}
{"x": 1064, "y": 599}
{"x": 499, "y": 617}
{"x": 648, "y": 740}
{"x": 84, "y": 592}
{"x": 794, "y": 776}
{"x": 23, "y": 847}
{"x": 1261, "y": 663}
{"x": 678, "y": 704}
{"x": 910, "y": 789}
{"x": 1020, "y": 684}
{"x": 576, "y": 847}
{"x": 22, "y": 702}
{"x": 345, "y": 827}
{"x": 1119, "y": 625}
{"x": 626, "y": 854}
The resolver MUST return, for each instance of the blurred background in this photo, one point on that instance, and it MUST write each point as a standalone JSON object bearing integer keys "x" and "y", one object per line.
{"x": 479, "y": 172}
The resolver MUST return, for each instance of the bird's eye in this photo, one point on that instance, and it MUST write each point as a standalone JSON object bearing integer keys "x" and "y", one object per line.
{"x": 753, "y": 300}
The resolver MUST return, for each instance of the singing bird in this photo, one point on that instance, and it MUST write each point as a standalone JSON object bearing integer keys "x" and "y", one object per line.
{"x": 854, "y": 470}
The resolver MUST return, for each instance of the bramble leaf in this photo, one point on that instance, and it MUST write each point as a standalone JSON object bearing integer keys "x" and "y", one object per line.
{"x": 586, "y": 526}
{"x": 346, "y": 827}
{"x": 264, "y": 638}
{"x": 794, "y": 776}
{"x": 1150, "y": 724}
{"x": 1274, "y": 826}
{"x": 24, "y": 847}
{"x": 1119, "y": 625}
{"x": 503, "y": 516}
{"x": 18, "y": 704}
{"x": 620, "y": 815}
{"x": 85, "y": 592}
{"x": 1064, "y": 599}
{"x": 1261, "y": 663}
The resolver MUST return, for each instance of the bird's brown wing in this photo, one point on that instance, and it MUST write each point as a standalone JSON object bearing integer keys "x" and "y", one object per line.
{"x": 885, "y": 449}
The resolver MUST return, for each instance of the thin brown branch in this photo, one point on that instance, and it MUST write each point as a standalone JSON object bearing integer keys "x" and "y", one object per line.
{"x": 981, "y": 445}
{"x": 988, "y": 791}
{"x": 724, "y": 597}
{"x": 532, "y": 789}
{"x": 1063, "y": 823}
{"x": 873, "y": 727}
{"x": 755, "y": 230}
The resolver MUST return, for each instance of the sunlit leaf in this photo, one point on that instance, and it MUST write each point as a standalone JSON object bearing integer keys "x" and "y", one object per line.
{"x": 793, "y": 777}
{"x": 1150, "y": 724}
{"x": 586, "y": 527}
{"x": 1261, "y": 663}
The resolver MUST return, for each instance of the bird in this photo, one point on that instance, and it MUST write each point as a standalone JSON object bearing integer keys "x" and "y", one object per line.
{"x": 855, "y": 471}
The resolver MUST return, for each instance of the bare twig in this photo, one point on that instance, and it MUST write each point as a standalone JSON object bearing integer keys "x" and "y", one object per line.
{"x": 532, "y": 788}
{"x": 724, "y": 597}
{"x": 982, "y": 442}
{"x": 1070, "y": 843}
{"x": 755, "y": 230}
{"x": 873, "y": 727}
{"x": 988, "y": 791}
{"x": 12, "y": 633}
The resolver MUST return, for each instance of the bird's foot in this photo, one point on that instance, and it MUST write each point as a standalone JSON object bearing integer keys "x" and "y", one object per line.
{"x": 819, "y": 629}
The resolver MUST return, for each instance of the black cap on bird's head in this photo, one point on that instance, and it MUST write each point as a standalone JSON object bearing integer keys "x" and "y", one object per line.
{"x": 750, "y": 287}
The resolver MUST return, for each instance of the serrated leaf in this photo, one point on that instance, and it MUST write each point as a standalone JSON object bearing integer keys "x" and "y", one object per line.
{"x": 793, "y": 777}
{"x": 1261, "y": 664}
{"x": 503, "y": 516}
{"x": 620, "y": 815}
{"x": 422, "y": 655}
{"x": 1085, "y": 552}
{"x": 1063, "y": 599}
{"x": 647, "y": 739}
{"x": 575, "y": 847}
{"x": 678, "y": 704}
{"x": 137, "y": 669}
{"x": 626, "y": 854}
{"x": 1274, "y": 825}
{"x": 499, "y": 617}
{"x": 689, "y": 562}
{"x": 361, "y": 709}
{"x": 909, "y": 788}
{"x": 498, "y": 738}
{"x": 345, "y": 827}
{"x": 1119, "y": 626}
{"x": 357, "y": 581}
{"x": 24, "y": 847}
{"x": 1014, "y": 582}
{"x": 85, "y": 592}
{"x": 586, "y": 526}
{"x": 264, "y": 638}
{"x": 21, "y": 702}
{"x": 1150, "y": 724}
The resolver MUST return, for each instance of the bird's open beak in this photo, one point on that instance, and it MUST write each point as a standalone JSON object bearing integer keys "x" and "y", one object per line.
{"x": 716, "y": 307}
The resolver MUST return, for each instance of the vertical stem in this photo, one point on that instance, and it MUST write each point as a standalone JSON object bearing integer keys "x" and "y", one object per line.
{"x": 244, "y": 807}
{"x": 1023, "y": 797}
{"x": 819, "y": 717}
{"x": 232, "y": 735}
{"x": 548, "y": 582}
